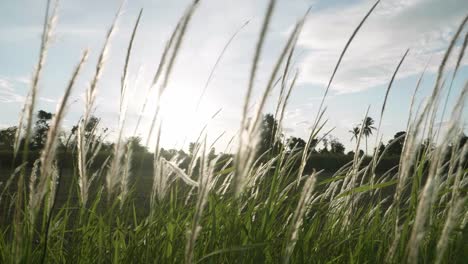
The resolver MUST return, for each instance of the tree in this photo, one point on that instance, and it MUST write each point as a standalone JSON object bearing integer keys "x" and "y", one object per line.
{"x": 41, "y": 129}
{"x": 396, "y": 144}
{"x": 295, "y": 144}
{"x": 136, "y": 144}
{"x": 268, "y": 142}
{"x": 92, "y": 134}
{"x": 324, "y": 150}
{"x": 72, "y": 133}
{"x": 212, "y": 154}
{"x": 381, "y": 149}
{"x": 368, "y": 128}
{"x": 336, "y": 147}
{"x": 7, "y": 138}
{"x": 355, "y": 132}
{"x": 194, "y": 148}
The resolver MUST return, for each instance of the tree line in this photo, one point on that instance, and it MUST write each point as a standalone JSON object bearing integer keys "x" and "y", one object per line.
{"x": 323, "y": 148}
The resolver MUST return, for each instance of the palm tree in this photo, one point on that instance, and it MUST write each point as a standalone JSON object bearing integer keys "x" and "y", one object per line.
{"x": 367, "y": 128}
{"x": 355, "y": 133}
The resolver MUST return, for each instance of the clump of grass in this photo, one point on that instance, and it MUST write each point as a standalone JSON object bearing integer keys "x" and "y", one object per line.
{"x": 248, "y": 207}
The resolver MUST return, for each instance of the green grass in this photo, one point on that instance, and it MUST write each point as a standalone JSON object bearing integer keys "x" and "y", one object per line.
{"x": 269, "y": 210}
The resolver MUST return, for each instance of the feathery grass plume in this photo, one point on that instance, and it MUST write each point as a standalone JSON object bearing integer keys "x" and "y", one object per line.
{"x": 219, "y": 174}
{"x": 247, "y": 149}
{"x": 126, "y": 172}
{"x": 196, "y": 155}
{"x": 181, "y": 174}
{"x": 160, "y": 180}
{"x": 320, "y": 112}
{"x": 179, "y": 32}
{"x": 456, "y": 157}
{"x": 387, "y": 92}
{"x": 305, "y": 152}
{"x": 409, "y": 153}
{"x": 158, "y": 73}
{"x": 32, "y": 186}
{"x": 82, "y": 172}
{"x": 356, "y": 30}
{"x": 25, "y": 122}
{"x": 456, "y": 205}
{"x": 282, "y": 99}
{"x": 407, "y": 158}
{"x": 351, "y": 176}
{"x": 90, "y": 96}
{"x": 256, "y": 175}
{"x": 217, "y": 139}
{"x": 6, "y": 185}
{"x": 413, "y": 97}
{"x": 28, "y": 109}
{"x": 430, "y": 188}
{"x": 254, "y": 183}
{"x": 450, "y": 225}
{"x": 196, "y": 151}
{"x": 92, "y": 89}
{"x": 296, "y": 220}
{"x": 284, "y": 77}
{"x": 52, "y": 186}
{"x": 438, "y": 86}
{"x": 162, "y": 172}
{"x": 206, "y": 175}
{"x": 454, "y": 74}
{"x": 178, "y": 43}
{"x": 390, "y": 86}
{"x": 48, "y": 153}
{"x": 218, "y": 60}
{"x": 127, "y": 58}
{"x": 48, "y": 172}
{"x": 256, "y": 58}
{"x": 284, "y": 103}
{"x": 291, "y": 41}
{"x": 116, "y": 171}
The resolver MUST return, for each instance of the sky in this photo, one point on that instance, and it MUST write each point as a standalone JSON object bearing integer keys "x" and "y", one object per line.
{"x": 423, "y": 26}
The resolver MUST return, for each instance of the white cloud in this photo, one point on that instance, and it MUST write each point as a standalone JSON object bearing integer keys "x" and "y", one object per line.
{"x": 47, "y": 100}
{"x": 423, "y": 26}
{"x": 7, "y": 92}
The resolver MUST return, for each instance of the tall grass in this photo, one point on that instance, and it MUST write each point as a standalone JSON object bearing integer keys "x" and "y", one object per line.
{"x": 249, "y": 208}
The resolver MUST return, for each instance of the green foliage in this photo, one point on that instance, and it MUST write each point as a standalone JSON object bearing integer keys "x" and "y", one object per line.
{"x": 297, "y": 205}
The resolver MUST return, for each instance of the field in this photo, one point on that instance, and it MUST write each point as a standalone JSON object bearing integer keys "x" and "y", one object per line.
{"x": 85, "y": 200}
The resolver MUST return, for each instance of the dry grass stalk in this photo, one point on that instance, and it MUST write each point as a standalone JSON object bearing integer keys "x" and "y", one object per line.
{"x": 320, "y": 112}
{"x": 220, "y": 56}
{"x": 204, "y": 182}
{"x": 48, "y": 153}
{"x": 84, "y": 143}
{"x": 356, "y": 30}
{"x": 387, "y": 92}
{"x": 127, "y": 59}
{"x": 455, "y": 207}
{"x": 248, "y": 148}
{"x": 298, "y": 215}
{"x": 429, "y": 192}
{"x": 178, "y": 37}
{"x": 409, "y": 154}
{"x": 28, "y": 109}
{"x": 126, "y": 172}
{"x": 454, "y": 74}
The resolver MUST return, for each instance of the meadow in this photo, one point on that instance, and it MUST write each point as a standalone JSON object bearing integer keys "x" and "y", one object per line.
{"x": 269, "y": 201}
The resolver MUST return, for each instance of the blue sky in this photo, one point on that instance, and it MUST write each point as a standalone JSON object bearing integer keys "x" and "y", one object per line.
{"x": 423, "y": 26}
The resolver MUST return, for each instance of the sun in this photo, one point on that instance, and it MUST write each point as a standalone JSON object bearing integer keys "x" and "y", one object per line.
{"x": 182, "y": 119}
